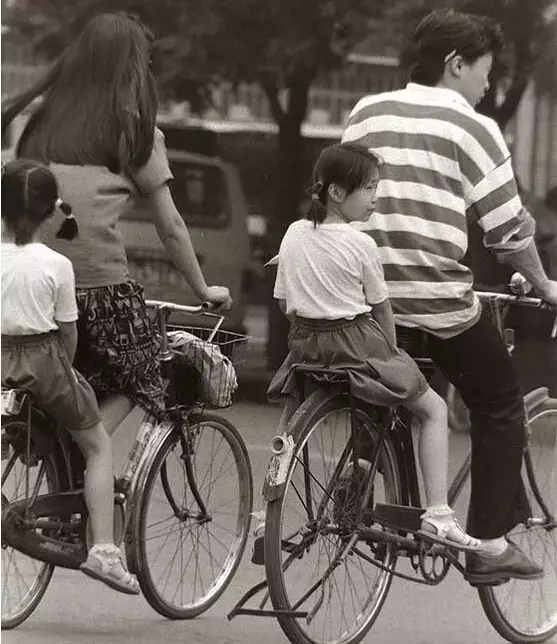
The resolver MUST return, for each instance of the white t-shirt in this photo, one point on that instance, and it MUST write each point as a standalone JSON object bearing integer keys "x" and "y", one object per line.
{"x": 328, "y": 272}
{"x": 38, "y": 289}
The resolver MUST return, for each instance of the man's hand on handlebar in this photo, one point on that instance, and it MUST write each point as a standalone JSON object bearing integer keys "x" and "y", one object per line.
{"x": 220, "y": 297}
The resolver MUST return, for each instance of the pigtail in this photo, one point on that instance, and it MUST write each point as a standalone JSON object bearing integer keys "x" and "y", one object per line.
{"x": 317, "y": 211}
{"x": 68, "y": 230}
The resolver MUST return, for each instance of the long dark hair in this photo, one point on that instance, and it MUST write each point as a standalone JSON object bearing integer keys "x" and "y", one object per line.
{"x": 348, "y": 165}
{"x": 29, "y": 196}
{"x": 99, "y": 101}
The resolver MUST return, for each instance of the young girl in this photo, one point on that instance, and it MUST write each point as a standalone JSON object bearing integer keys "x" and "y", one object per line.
{"x": 95, "y": 128}
{"x": 38, "y": 346}
{"x": 330, "y": 284}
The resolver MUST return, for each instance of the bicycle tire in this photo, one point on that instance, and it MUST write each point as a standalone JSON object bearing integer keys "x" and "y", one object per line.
{"x": 538, "y": 622}
{"x": 160, "y": 495}
{"x": 284, "y": 555}
{"x": 15, "y": 563}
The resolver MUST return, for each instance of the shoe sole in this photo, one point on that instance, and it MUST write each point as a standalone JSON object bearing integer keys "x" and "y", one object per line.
{"x": 115, "y": 585}
{"x": 432, "y": 538}
{"x": 496, "y": 579}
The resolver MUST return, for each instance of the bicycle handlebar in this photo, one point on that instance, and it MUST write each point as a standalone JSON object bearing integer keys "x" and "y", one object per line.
{"x": 534, "y": 302}
{"x": 200, "y": 309}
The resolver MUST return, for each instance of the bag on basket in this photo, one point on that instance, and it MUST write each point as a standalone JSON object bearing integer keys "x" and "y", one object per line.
{"x": 217, "y": 376}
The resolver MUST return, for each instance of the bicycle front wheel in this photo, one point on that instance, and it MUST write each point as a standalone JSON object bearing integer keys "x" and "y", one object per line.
{"x": 526, "y": 611}
{"x": 314, "y": 564}
{"x": 24, "y": 579}
{"x": 185, "y": 561}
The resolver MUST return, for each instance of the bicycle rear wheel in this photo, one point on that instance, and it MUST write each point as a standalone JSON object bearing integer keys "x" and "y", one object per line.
{"x": 24, "y": 579}
{"x": 526, "y": 611}
{"x": 183, "y": 562}
{"x": 310, "y": 566}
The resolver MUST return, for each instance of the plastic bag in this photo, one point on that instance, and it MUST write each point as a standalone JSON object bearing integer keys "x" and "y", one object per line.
{"x": 217, "y": 376}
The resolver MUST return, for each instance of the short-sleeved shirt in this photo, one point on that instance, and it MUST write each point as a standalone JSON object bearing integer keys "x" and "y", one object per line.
{"x": 38, "y": 289}
{"x": 445, "y": 165}
{"x": 98, "y": 199}
{"x": 328, "y": 272}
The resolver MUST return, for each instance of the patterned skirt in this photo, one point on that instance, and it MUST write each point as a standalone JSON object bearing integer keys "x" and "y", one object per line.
{"x": 118, "y": 348}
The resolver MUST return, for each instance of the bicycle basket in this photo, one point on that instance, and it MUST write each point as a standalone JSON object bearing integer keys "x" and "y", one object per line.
{"x": 204, "y": 371}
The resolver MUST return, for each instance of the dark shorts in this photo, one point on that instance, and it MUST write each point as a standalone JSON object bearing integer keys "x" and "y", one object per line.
{"x": 40, "y": 364}
{"x": 379, "y": 373}
{"x": 118, "y": 348}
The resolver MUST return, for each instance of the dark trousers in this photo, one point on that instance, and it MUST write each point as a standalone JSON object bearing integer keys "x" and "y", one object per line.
{"x": 479, "y": 366}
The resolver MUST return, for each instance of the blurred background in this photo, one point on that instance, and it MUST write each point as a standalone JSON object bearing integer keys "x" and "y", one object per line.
{"x": 250, "y": 92}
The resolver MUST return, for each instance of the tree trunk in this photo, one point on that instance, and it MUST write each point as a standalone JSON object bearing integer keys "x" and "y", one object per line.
{"x": 288, "y": 195}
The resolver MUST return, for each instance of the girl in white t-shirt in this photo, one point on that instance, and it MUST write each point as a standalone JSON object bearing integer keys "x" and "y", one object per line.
{"x": 39, "y": 339}
{"x": 330, "y": 284}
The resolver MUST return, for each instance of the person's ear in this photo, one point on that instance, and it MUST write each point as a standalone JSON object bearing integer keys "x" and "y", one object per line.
{"x": 455, "y": 65}
{"x": 336, "y": 193}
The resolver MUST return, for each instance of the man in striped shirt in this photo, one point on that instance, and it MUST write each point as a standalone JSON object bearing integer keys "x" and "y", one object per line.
{"x": 445, "y": 166}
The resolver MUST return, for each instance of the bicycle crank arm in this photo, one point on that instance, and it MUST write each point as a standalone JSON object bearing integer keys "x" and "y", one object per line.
{"x": 20, "y": 527}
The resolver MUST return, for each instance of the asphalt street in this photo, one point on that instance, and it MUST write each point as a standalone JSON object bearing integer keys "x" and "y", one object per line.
{"x": 78, "y": 610}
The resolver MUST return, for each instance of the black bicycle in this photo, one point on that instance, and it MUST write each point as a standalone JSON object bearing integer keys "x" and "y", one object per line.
{"x": 330, "y": 557}
{"x": 182, "y": 506}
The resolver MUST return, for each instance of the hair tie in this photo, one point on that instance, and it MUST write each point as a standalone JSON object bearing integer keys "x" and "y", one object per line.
{"x": 68, "y": 230}
{"x": 316, "y": 191}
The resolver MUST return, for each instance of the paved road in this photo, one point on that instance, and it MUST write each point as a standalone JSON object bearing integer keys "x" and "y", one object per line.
{"x": 77, "y": 610}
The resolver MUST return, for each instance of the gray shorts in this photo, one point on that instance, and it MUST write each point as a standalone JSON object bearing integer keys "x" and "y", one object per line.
{"x": 40, "y": 364}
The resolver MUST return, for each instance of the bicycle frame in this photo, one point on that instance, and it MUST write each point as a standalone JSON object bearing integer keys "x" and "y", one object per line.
{"x": 69, "y": 464}
{"x": 399, "y": 433}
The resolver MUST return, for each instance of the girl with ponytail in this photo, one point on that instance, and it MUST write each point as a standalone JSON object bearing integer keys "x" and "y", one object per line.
{"x": 39, "y": 338}
{"x": 330, "y": 284}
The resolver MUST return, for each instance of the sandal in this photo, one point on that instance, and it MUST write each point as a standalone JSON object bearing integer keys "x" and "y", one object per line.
{"x": 108, "y": 566}
{"x": 444, "y": 528}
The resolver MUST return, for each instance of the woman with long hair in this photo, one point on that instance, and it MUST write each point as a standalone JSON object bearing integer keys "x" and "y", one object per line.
{"x": 95, "y": 129}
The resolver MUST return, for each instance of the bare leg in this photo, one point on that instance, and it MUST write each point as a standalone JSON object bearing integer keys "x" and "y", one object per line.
{"x": 104, "y": 560}
{"x": 433, "y": 445}
{"x": 114, "y": 411}
{"x": 99, "y": 481}
{"x": 433, "y": 450}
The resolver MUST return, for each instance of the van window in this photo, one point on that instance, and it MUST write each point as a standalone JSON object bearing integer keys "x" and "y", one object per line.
{"x": 200, "y": 194}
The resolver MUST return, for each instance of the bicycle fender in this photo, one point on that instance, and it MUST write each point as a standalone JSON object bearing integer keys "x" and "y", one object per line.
{"x": 536, "y": 397}
{"x": 277, "y": 469}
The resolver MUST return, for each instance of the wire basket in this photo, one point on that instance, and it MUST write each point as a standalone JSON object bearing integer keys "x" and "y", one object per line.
{"x": 204, "y": 372}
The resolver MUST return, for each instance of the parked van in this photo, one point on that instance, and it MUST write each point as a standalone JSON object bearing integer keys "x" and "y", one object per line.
{"x": 208, "y": 195}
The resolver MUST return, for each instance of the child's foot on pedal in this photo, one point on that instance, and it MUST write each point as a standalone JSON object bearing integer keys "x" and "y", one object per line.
{"x": 442, "y": 525}
{"x": 106, "y": 563}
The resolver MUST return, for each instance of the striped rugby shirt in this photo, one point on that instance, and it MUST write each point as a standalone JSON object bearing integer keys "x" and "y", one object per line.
{"x": 444, "y": 164}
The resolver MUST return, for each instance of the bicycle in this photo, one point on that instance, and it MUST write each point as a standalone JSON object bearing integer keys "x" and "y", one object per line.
{"x": 182, "y": 505}
{"x": 330, "y": 558}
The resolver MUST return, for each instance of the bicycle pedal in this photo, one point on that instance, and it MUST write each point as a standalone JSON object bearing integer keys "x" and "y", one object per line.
{"x": 399, "y": 517}
{"x": 258, "y": 554}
